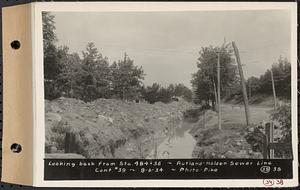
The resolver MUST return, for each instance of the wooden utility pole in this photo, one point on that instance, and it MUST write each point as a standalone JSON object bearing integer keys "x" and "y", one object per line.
{"x": 272, "y": 125}
{"x": 249, "y": 89}
{"x": 238, "y": 60}
{"x": 274, "y": 92}
{"x": 216, "y": 96}
{"x": 123, "y": 89}
{"x": 219, "y": 93}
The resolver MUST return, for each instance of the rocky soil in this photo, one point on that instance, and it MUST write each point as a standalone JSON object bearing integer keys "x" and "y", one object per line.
{"x": 107, "y": 128}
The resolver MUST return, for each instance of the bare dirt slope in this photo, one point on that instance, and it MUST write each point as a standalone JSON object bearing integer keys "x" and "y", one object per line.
{"x": 107, "y": 128}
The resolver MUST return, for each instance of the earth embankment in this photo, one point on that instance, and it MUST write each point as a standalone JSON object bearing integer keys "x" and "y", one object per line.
{"x": 107, "y": 128}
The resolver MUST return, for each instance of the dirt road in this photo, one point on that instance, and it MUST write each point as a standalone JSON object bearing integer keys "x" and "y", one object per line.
{"x": 236, "y": 113}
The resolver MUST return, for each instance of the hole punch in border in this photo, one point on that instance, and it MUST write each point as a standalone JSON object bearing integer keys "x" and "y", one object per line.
{"x": 16, "y": 148}
{"x": 16, "y": 44}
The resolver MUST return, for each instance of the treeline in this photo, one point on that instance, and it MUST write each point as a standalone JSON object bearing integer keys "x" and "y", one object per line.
{"x": 262, "y": 85}
{"x": 156, "y": 93}
{"x": 204, "y": 81}
{"x": 92, "y": 76}
{"x": 282, "y": 80}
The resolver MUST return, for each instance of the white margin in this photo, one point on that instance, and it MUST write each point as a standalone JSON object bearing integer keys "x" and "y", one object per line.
{"x": 35, "y": 139}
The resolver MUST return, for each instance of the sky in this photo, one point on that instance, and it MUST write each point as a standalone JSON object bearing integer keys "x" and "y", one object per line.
{"x": 167, "y": 44}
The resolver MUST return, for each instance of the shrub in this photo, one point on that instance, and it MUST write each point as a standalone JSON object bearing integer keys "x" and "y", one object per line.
{"x": 283, "y": 116}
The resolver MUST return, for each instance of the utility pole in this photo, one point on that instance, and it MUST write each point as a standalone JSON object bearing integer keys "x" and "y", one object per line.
{"x": 216, "y": 96}
{"x": 274, "y": 92}
{"x": 249, "y": 89}
{"x": 123, "y": 89}
{"x": 238, "y": 60}
{"x": 219, "y": 93}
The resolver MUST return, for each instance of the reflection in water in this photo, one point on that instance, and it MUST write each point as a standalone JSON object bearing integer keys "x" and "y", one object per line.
{"x": 178, "y": 144}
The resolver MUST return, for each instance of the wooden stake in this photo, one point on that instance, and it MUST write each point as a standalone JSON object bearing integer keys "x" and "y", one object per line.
{"x": 204, "y": 121}
{"x": 268, "y": 139}
{"x": 274, "y": 92}
{"x": 271, "y": 139}
{"x": 219, "y": 93}
{"x": 247, "y": 113}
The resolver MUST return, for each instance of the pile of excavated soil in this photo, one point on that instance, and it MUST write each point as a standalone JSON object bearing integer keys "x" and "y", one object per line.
{"x": 107, "y": 128}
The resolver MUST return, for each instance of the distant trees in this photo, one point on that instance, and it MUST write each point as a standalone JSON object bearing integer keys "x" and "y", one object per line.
{"x": 282, "y": 80}
{"x": 151, "y": 93}
{"x": 204, "y": 81}
{"x": 157, "y": 93}
{"x": 282, "y": 77}
{"x": 181, "y": 90}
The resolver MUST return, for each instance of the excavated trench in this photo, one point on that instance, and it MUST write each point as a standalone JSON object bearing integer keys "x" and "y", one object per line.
{"x": 116, "y": 129}
{"x": 179, "y": 143}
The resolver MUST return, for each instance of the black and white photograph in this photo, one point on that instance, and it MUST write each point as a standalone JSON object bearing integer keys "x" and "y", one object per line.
{"x": 167, "y": 85}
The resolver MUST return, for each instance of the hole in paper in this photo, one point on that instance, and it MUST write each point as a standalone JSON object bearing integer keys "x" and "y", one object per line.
{"x": 15, "y": 44}
{"x": 16, "y": 148}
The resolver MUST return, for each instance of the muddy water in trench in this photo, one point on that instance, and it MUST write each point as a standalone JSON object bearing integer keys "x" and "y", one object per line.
{"x": 179, "y": 143}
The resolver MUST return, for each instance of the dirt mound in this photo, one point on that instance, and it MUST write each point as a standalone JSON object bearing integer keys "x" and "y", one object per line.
{"x": 208, "y": 119}
{"x": 107, "y": 128}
